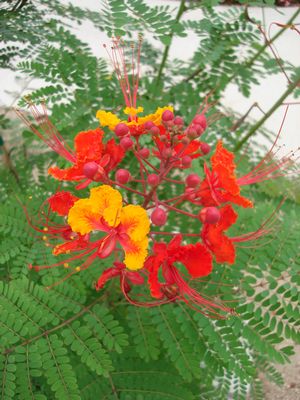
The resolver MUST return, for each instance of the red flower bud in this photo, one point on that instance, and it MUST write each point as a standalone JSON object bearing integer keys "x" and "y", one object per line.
{"x": 178, "y": 121}
{"x": 164, "y": 139}
{"x": 148, "y": 125}
{"x": 190, "y": 193}
{"x": 90, "y": 169}
{"x": 185, "y": 141}
{"x": 144, "y": 153}
{"x": 186, "y": 161}
{"x": 166, "y": 153}
{"x": 121, "y": 129}
{"x": 199, "y": 129}
{"x": 153, "y": 179}
{"x": 155, "y": 130}
{"x": 126, "y": 143}
{"x": 192, "y": 180}
{"x": 201, "y": 120}
{"x": 122, "y": 176}
{"x": 205, "y": 148}
{"x": 167, "y": 116}
{"x": 159, "y": 217}
{"x": 209, "y": 215}
{"x": 192, "y": 133}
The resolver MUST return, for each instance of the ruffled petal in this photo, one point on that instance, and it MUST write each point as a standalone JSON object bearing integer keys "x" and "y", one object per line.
{"x": 197, "y": 259}
{"x": 83, "y": 219}
{"x": 115, "y": 152}
{"x": 107, "y": 118}
{"x": 88, "y": 145}
{"x": 61, "y": 202}
{"x": 135, "y": 253}
{"x": 107, "y": 203}
{"x": 134, "y": 222}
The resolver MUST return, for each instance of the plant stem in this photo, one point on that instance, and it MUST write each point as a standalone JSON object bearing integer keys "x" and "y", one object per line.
{"x": 181, "y": 10}
{"x": 269, "y": 113}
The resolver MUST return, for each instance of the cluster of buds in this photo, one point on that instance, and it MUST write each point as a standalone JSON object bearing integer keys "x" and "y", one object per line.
{"x": 143, "y": 248}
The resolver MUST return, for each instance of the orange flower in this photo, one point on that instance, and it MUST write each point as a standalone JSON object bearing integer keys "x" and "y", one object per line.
{"x": 103, "y": 211}
{"x": 221, "y": 185}
{"x": 93, "y": 159}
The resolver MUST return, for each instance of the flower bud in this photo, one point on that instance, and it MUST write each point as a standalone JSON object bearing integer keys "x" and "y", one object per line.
{"x": 121, "y": 129}
{"x": 199, "y": 129}
{"x": 192, "y": 133}
{"x": 209, "y": 215}
{"x": 159, "y": 217}
{"x": 155, "y": 130}
{"x": 185, "y": 141}
{"x": 148, "y": 125}
{"x": 205, "y": 148}
{"x": 122, "y": 176}
{"x": 190, "y": 193}
{"x": 201, "y": 120}
{"x": 144, "y": 153}
{"x": 167, "y": 116}
{"x": 166, "y": 153}
{"x": 178, "y": 121}
{"x": 153, "y": 179}
{"x": 192, "y": 180}
{"x": 164, "y": 139}
{"x": 90, "y": 169}
{"x": 126, "y": 143}
{"x": 186, "y": 161}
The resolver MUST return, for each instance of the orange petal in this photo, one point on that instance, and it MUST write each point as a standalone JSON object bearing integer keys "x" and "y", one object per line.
{"x": 88, "y": 145}
{"x": 68, "y": 174}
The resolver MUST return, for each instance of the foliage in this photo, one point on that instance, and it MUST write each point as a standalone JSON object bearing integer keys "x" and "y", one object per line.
{"x": 70, "y": 342}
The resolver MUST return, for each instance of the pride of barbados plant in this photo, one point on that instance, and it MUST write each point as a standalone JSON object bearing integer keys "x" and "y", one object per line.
{"x": 124, "y": 217}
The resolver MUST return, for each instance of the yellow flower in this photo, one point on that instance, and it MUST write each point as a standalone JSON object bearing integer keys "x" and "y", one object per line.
{"x": 103, "y": 211}
{"x": 109, "y": 119}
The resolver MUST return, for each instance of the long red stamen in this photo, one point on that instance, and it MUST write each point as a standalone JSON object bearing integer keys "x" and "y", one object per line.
{"x": 47, "y": 132}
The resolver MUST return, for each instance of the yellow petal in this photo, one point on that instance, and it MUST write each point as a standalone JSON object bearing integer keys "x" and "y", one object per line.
{"x": 136, "y": 253}
{"x": 133, "y": 111}
{"x": 82, "y": 218}
{"x": 156, "y": 117}
{"x": 107, "y": 118}
{"x": 107, "y": 203}
{"x": 135, "y": 222}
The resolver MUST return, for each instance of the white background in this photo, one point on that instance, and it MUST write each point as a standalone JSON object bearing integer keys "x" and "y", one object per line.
{"x": 266, "y": 93}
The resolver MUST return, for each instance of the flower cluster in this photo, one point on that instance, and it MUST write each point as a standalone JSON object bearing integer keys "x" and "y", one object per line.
{"x": 104, "y": 223}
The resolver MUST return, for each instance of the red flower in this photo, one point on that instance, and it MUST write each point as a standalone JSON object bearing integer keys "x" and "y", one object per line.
{"x": 221, "y": 184}
{"x": 93, "y": 159}
{"x": 197, "y": 260}
{"x": 215, "y": 240}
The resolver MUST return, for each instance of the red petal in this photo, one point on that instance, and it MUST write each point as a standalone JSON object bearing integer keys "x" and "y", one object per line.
{"x": 115, "y": 152}
{"x": 68, "y": 174}
{"x": 61, "y": 202}
{"x": 89, "y": 146}
{"x": 106, "y": 275}
{"x": 197, "y": 259}
{"x": 153, "y": 264}
{"x": 228, "y": 218}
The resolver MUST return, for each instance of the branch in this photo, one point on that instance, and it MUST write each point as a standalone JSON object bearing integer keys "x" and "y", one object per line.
{"x": 181, "y": 10}
{"x": 278, "y": 103}
{"x": 64, "y": 323}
